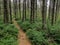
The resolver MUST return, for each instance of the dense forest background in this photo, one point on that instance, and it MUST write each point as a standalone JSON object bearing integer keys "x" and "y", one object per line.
{"x": 39, "y": 19}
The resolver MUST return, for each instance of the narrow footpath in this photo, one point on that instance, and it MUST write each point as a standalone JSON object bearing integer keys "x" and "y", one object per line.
{"x": 22, "y": 38}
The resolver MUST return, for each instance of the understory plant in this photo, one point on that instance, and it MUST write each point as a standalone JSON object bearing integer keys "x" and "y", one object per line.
{"x": 8, "y": 34}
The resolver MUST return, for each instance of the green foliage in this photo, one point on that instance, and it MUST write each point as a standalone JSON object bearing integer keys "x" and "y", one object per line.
{"x": 8, "y": 34}
{"x": 8, "y": 41}
{"x": 36, "y": 37}
{"x": 50, "y": 36}
{"x": 36, "y": 26}
{"x": 55, "y": 33}
{"x": 24, "y": 25}
{"x": 27, "y": 25}
{"x": 11, "y": 29}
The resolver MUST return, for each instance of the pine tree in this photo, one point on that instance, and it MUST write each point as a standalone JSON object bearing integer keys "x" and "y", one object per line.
{"x": 32, "y": 16}
{"x": 15, "y": 8}
{"x": 44, "y": 10}
{"x": 10, "y": 11}
{"x": 6, "y": 18}
{"x": 20, "y": 8}
{"x": 24, "y": 10}
{"x": 53, "y": 12}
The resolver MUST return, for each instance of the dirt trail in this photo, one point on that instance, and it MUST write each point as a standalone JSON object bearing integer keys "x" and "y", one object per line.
{"x": 22, "y": 38}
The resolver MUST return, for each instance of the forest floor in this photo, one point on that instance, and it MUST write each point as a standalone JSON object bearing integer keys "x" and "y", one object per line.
{"x": 22, "y": 38}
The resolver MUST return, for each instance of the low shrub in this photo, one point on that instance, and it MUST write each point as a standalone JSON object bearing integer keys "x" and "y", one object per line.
{"x": 8, "y": 35}
{"x": 27, "y": 25}
{"x": 39, "y": 36}
{"x": 36, "y": 37}
{"x": 55, "y": 34}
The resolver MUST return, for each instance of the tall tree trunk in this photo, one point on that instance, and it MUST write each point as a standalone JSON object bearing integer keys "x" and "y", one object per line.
{"x": 28, "y": 6}
{"x": 44, "y": 10}
{"x": 10, "y": 11}
{"x": 57, "y": 10}
{"x": 50, "y": 10}
{"x": 0, "y": 7}
{"x": 28, "y": 1}
{"x": 6, "y": 19}
{"x": 36, "y": 9}
{"x": 32, "y": 16}
{"x": 53, "y": 11}
{"x": 15, "y": 8}
{"x": 24, "y": 10}
{"x": 20, "y": 8}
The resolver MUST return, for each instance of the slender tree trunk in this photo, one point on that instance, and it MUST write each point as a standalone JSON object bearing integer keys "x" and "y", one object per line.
{"x": 31, "y": 13}
{"x": 44, "y": 10}
{"x": 57, "y": 10}
{"x": 0, "y": 7}
{"x": 15, "y": 8}
{"x": 10, "y": 11}
{"x": 28, "y": 6}
{"x": 50, "y": 10}
{"x": 32, "y": 16}
{"x": 6, "y": 19}
{"x": 53, "y": 9}
{"x": 28, "y": 1}
{"x": 24, "y": 10}
{"x": 20, "y": 8}
{"x": 36, "y": 9}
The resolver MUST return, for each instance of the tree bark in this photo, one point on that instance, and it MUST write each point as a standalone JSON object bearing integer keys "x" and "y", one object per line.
{"x": 6, "y": 19}
{"x": 24, "y": 10}
{"x": 53, "y": 11}
{"x": 44, "y": 10}
{"x": 20, "y": 8}
{"x": 10, "y": 11}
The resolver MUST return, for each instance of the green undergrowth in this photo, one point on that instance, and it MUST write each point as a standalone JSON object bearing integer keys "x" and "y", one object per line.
{"x": 8, "y": 34}
{"x": 37, "y": 36}
{"x": 27, "y": 25}
{"x": 44, "y": 37}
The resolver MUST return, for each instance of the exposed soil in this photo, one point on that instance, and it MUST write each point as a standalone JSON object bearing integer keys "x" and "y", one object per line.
{"x": 22, "y": 38}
